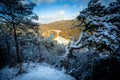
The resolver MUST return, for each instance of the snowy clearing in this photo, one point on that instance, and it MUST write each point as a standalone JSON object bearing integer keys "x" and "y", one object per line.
{"x": 36, "y": 72}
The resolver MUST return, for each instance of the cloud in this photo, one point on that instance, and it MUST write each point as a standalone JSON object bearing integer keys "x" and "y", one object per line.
{"x": 56, "y": 16}
{"x": 64, "y": 11}
{"x": 61, "y": 12}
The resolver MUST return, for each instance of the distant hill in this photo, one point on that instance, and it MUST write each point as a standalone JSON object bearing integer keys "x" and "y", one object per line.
{"x": 60, "y": 28}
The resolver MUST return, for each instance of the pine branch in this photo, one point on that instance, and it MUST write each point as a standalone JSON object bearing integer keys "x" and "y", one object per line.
{"x": 6, "y": 20}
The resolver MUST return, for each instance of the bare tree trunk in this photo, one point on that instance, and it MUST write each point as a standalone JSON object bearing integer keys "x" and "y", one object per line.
{"x": 16, "y": 44}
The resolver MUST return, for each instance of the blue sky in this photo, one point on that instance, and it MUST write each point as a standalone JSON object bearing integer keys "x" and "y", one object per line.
{"x": 56, "y": 10}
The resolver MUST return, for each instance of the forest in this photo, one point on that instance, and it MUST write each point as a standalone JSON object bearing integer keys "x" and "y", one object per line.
{"x": 26, "y": 55}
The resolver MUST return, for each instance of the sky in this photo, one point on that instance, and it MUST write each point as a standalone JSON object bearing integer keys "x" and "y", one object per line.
{"x": 55, "y": 10}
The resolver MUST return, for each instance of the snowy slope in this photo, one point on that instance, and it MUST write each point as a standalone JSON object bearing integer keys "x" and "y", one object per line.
{"x": 40, "y": 72}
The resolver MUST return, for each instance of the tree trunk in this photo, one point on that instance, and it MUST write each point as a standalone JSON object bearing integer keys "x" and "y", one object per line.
{"x": 17, "y": 51}
{"x": 16, "y": 44}
{"x": 7, "y": 43}
{"x": 2, "y": 62}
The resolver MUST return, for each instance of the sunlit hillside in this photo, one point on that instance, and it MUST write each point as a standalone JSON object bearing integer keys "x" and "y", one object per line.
{"x": 60, "y": 28}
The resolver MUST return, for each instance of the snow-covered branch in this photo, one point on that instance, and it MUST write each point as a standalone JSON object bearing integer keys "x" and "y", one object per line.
{"x": 74, "y": 46}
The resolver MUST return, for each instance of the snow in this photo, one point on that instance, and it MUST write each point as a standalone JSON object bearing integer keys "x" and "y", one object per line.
{"x": 37, "y": 72}
{"x": 62, "y": 40}
{"x": 8, "y": 73}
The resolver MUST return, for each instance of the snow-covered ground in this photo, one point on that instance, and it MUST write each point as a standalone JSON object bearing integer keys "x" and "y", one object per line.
{"x": 34, "y": 72}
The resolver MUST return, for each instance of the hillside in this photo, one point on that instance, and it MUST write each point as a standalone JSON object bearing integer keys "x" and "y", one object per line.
{"x": 61, "y": 28}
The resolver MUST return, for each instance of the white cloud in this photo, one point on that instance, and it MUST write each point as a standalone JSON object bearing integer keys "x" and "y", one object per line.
{"x": 61, "y": 12}
{"x": 56, "y": 16}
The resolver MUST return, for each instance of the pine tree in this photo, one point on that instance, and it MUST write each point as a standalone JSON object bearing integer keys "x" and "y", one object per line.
{"x": 100, "y": 34}
{"x": 101, "y": 28}
{"x": 16, "y": 13}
